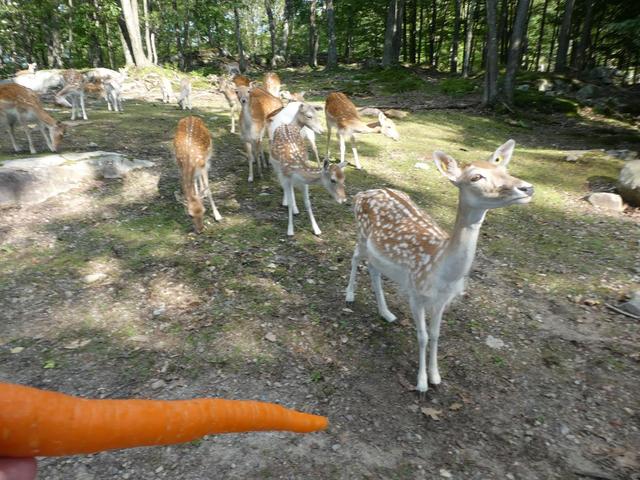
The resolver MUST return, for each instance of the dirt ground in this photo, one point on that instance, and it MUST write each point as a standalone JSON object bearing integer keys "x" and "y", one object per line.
{"x": 105, "y": 292}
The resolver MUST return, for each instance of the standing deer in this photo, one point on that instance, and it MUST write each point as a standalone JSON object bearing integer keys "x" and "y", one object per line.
{"x": 228, "y": 89}
{"x": 73, "y": 90}
{"x": 193, "y": 149}
{"x": 341, "y": 113}
{"x": 21, "y": 105}
{"x": 303, "y": 115}
{"x": 272, "y": 83}
{"x": 289, "y": 160}
{"x": 185, "y": 94}
{"x": 166, "y": 89}
{"x": 240, "y": 80}
{"x": 405, "y": 244}
{"x": 256, "y": 105}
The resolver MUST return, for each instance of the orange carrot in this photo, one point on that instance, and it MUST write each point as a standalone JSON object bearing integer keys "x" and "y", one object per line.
{"x": 37, "y": 422}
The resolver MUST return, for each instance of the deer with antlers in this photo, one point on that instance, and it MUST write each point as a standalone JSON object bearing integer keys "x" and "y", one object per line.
{"x": 73, "y": 90}
{"x": 256, "y": 104}
{"x": 20, "y": 105}
{"x": 272, "y": 83}
{"x": 404, "y": 244}
{"x": 289, "y": 160}
{"x": 341, "y": 114}
{"x": 193, "y": 150}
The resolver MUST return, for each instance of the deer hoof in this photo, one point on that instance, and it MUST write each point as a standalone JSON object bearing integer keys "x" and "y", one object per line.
{"x": 434, "y": 378}
{"x": 388, "y": 316}
{"x": 350, "y": 297}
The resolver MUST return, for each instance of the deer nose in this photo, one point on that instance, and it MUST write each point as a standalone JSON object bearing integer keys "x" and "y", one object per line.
{"x": 528, "y": 189}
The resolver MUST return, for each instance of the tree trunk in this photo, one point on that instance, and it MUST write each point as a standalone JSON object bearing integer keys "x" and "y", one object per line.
{"x": 515, "y": 48}
{"x": 581, "y": 58}
{"x": 413, "y": 32}
{"x": 272, "y": 31}
{"x": 112, "y": 63}
{"x": 313, "y": 36}
{"x": 441, "y": 35}
{"x": 420, "y": 31}
{"x": 147, "y": 30}
{"x": 287, "y": 27}
{"x": 399, "y": 32}
{"x": 554, "y": 35}
{"x": 432, "y": 32}
{"x": 491, "y": 69}
{"x": 124, "y": 40}
{"x": 541, "y": 35}
{"x": 332, "y": 53}
{"x": 241, "y": 60}
{"x": 130, "y": 12}
{"x": 94, "y": 48}
{"x": 563, "y": 37}
{"x": 456, "y": 35}
{"x": 470, "y": 25}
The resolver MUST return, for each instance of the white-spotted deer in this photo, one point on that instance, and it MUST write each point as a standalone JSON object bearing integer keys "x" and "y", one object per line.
{"x": 341, "y": 113}
{"x": 184, "y": 101}
{"x": 228, "y": 90}
{"x": 256, "y": 104}
{"x": 73, "y": 90}
{"x": 289, "y": 160}
{"x": 166, "y": 89}
{"x": 272, "y": 83}
{"x": 404, "y": 244}
{"x": 304, "y": 116}
{"x": 20, "y": 105}
{"x": 193, "y": 149}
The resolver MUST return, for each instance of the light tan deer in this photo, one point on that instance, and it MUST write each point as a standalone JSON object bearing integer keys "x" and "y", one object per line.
{"x": 241, "y": 81}
{"x": 255, "y": 106}
{"x": 166, "y": 89}
{"x": 184, "y": 101}
{"x": 304, "y": 116}
{"x": 272, "y": 83}
{"x": 289, "y": 160}
{"x": 193, "y": 149}
{"x": 341, "y": 114}
{"x": 73, "y": 90}
{"x": 20, "y": 105}
{"x": 404, "y": 244}
{"x": 228, "y": 90}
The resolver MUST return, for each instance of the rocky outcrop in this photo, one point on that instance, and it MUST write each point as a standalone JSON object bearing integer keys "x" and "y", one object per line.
{"x": 629, "y": 183}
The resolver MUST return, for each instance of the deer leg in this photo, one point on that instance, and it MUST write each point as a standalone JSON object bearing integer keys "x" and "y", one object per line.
{"x": 355, "y": 152}
{"x": 355, "y": 261}
{"x": 12, "y": 136}
{"x": 28, "y": 133}
{"x": 376, "y": 283}
{"x": 434, "y": 334}
{"x": 417, "y": 310}
{"x": 46, "y": 133}
{"x": 258, "y": 155}
{"x": 233, "y": 121}
{"x": 248, "y": 148}
{"x": 342, "y": 146}
{"x": 288, "y": 188}
{"x": 328, "y": 138}
{"x": 84, "y": 113}
{"x": 205, "y": 180}
{"x": 307, "y": 204}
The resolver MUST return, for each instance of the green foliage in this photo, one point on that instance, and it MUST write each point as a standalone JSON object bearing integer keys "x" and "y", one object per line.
{"x": 457, "y": 86}
{"x": 532, "y": 100}
{"x": 395, "y": 79}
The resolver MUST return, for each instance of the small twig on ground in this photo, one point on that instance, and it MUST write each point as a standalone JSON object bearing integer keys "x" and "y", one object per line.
{"x": 621, "y": 312}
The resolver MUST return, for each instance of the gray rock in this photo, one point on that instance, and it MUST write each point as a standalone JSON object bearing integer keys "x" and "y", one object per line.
{"x": 422, "y": 166}
{"x": 622, "y": 154}
{"x": 544, "y": 85}
{"x": 523, "y": 88}
{"x": 633, "y": 305}
{"x": 575, "y": 155}
{"x": 493, "y": 342}
{"x": 94, "y": 277}
{"x": 629, "y": 183}
{"x": 33, "y": 180}
{"x": 587, "y": 92}
{"x": 607, "y": 201}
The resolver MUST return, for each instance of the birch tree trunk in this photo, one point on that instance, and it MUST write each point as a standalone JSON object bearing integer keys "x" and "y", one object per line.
{"x": 147, "y": 31}
{"x": 130, "y": 13}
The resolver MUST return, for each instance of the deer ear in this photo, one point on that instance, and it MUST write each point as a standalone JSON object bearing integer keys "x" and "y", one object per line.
{"x": 502, "y": 155}
{"x": 446, "y": 165}
{"x": 326, "y": 164}
{"x": 382, "y": 118}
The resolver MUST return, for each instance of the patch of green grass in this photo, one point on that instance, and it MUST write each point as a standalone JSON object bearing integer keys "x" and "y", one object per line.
{"x": 395, "y": 79}
{"x": 533, "y": 100}
{"x": 457, "y": 86}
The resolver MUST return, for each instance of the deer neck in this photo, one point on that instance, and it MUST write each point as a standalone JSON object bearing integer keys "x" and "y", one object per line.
{"x": 460, "y": 250}
{"x": 373, "y": 127}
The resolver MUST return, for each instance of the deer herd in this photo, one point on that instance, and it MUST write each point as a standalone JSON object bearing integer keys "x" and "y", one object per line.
{"x": 397, "y": 239}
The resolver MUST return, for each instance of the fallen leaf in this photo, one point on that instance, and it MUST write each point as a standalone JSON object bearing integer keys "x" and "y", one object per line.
{"x": 455, "y": 406}
{"x": 431, "y": 412}
{"x": 406, "y": 383}
{"x": 50, "y": 364}
{"x": 270, "y": 336}
{"x": 16, "y": 349}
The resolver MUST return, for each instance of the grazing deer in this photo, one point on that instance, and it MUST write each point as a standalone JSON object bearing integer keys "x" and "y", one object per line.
{"x": 73, "y": 90}
{"x": 304, "y": 116}
{"x": 241, "y": 81}
{"x": 193, "y": 149}
{"x": 31, "y": 69}
{"x": 272, "y": 83}
{"x": 289, "y": 160}
{"x": 19, "y": 104}
{"x": 185, "y": 94}
{"x": 166, "y": 89}
{"x": 341, "y": 113}
{"x": 404, "y": 244}
{"x": 256, "y": 104}
{"x": 228, "y": 89}
{"x": 113, "y": 92}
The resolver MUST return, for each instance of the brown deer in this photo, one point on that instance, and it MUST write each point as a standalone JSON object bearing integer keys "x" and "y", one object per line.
{"x": 404, "y": 244}
{"x": 21, "y": 105}
{"x": 289, "y": 160}
{"x": 241, "y": 81}
{"x": 341, "y": 113}
{"x": 272, "y": 83}
{"x": 193, "y": 149}
{"x": 255, "y": 106}
{"x": 74, "y": 89}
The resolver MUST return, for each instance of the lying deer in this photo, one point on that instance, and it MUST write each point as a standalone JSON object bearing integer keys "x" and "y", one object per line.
{"x": 256, "y": 105}
{"x": 185, "y": 94}
{"x": 304, "y": 116}
{"x": 405, "y": 244}
{"x": 166, "y": 89}
{"x": 272, "y": 83}
{"x": 73, "y": 90}
{"x": 31, "y": 69}
{"x": 21, "y": 105}
{"x": 289, "y": 160}
{"x": 341, "y": 113}
{"x": 193, "y": 149}
{"x": 228, "y": 89}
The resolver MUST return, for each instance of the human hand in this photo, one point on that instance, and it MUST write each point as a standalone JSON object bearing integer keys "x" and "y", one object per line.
{"x": 18, "y": 468}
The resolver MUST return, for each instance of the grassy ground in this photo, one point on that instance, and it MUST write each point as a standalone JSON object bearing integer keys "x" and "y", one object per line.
{"x": 178, "y": 315}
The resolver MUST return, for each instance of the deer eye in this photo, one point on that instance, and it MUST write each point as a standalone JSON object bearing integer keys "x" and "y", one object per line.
{"x": 476, "y": 178}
